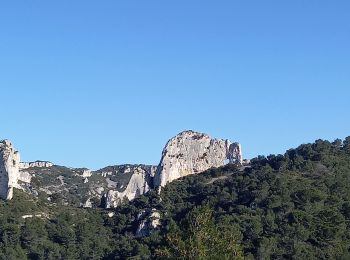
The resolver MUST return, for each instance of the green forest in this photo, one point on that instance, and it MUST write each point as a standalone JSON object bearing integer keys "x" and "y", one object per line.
{"x": 291, "y": 206}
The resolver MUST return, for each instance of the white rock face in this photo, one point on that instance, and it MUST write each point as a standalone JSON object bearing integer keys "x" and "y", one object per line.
{"x": 25, "y": 177}
{"x": 138, "y": 185}
{"x": 191, "y": 152}
{"x": 150, "y": 220}
{"x": 9, "y": 169}
{"x": 111, "y": 214}
{"x": 87, "y": 204}
{"x": 86, "y": 173}
{"x": 39, "y": 164}
{"x": 32, "y": 216}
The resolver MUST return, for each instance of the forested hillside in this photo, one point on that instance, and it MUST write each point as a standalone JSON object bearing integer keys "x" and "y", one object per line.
{"x": 292, "y": 206}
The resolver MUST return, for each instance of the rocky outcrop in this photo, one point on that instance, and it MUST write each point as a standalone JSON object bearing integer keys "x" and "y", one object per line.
{"x": 139, "y": 183}
{"x": 87, "y": 204}
{"x": 9, "y": 169}
{"x": 25, "y": 177}
{"x": 191, "y": 152}
{"x": 187, "y": 153}
{"x": 39, "y": 164}
{"x": 149, "y": 220}
{"x": 86, "y": 173}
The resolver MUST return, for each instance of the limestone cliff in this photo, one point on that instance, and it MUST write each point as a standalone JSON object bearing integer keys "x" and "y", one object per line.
{"x": 9, "y": 169}
{"x": 39, "y": 164}
{"x": 191, "y": 152}
{"x": 139, "y": 182}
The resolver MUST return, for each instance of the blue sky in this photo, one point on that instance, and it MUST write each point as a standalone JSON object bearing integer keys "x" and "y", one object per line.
{"x": 96, "y": 83}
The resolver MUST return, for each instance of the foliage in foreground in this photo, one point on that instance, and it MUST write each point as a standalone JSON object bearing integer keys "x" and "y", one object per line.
{"x": 198, "y": 237}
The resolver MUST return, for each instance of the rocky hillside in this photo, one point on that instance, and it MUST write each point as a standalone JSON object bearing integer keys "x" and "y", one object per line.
{"x": 290, "y": 206}
{"x": 187, "y": 153}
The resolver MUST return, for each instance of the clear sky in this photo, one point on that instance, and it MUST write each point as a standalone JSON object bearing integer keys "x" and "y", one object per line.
{"x": 96, "y": 83}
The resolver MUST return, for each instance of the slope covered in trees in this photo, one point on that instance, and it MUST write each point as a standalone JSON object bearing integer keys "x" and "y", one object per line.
{"x": 292, "y": 206}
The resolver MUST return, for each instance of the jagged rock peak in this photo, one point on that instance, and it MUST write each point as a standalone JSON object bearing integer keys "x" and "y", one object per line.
{"x": 9, "y": 169}
{"x": 192, "y": 152}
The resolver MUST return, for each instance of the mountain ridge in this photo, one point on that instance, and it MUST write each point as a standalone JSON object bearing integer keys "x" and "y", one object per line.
{"x": 187, "y": 153}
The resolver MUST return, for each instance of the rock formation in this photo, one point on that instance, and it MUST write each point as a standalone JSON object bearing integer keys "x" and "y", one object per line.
{"x": 149, "y": 220}
{"x": 87, "y": 173}
{"x": 138, "y": 184}
{"x": 9, "y": 169}
{"x": 191, "y": 152}
{"x": 87, "y": 204}
{"x": 25, "y": 177}
{"x": 187, "y": 153}
{"x": 39, "y": 164}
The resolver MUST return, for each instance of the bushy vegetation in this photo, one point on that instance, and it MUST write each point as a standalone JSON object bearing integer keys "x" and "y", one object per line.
{"x": 292, "y": 206}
